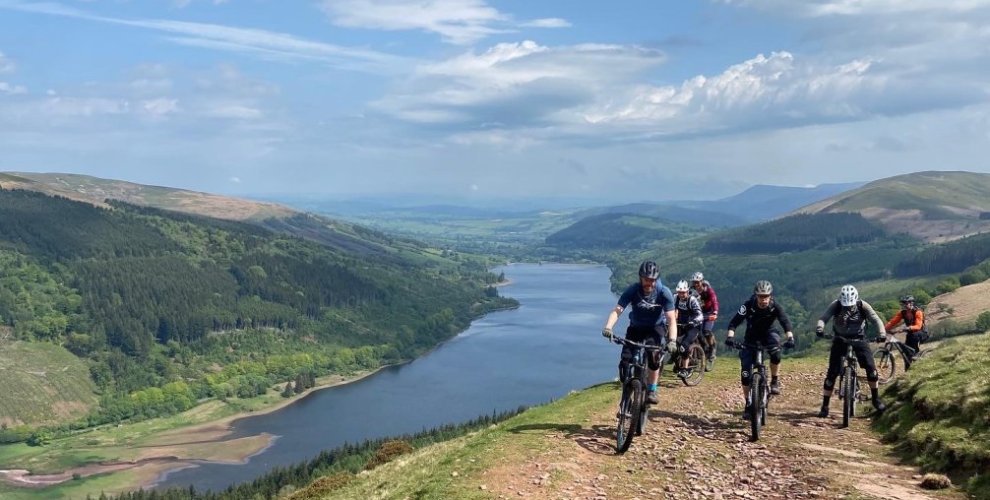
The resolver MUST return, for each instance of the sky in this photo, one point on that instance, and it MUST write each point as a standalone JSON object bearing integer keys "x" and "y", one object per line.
{"x": 639, "y": 100}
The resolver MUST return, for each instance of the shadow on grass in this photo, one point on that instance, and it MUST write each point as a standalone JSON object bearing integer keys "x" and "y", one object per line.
{"x": 597, "y": 439}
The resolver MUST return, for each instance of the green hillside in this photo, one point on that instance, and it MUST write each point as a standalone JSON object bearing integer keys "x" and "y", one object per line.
{"x": 166, "y": 309}
{"x": 797, "y": 233}
{"x": 613, "y": 231}
{"x": 932, "y": 206}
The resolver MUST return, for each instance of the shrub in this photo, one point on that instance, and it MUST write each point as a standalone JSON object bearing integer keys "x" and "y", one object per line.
{"x": 388, "y": 451}
{"x": 323, "y": 486}
{"x": 983, "y": 321}
{"x": 935, "y": 482}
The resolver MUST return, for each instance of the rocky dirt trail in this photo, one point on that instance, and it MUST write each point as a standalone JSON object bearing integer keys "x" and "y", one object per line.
{"x": 697, "y": 446}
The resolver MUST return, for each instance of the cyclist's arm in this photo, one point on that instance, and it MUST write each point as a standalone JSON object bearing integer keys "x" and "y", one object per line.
{"x": 828, "y": 314}
{"x": 875, "y": 318}
{"x": 785, "y": 322}
{"x": 697, "y": 316}
{"x": 613, "y": 317}
{"x": 671, "y": 325}
{"x": 736, "y": 321}
{"x": 713, "y": 302}
{"x": 894, "y": 321}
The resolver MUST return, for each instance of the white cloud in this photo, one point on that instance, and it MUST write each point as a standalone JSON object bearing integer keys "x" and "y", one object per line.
{"x": 232, "y": 110}
{"x": 530, "y": 92}
{"x": 9, "y": 89}
{"x": 514, "y": 83}
{"x": 456, "y": 21}
{"x": 6, "y": 65}
{"x": 549, "y": 22}
{"x": 271, "y": 44}
{"x": 235, "y": 180}
{"x": 160, "y": 107}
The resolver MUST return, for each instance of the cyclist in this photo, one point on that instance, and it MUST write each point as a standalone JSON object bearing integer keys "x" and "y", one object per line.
{"x": 849, "y": 315}
{"x": 650, "y": 320}
{"x": 759, "y": 312}
{"x": 689, "y": 320}
{"x": 914, "y": 323}
{"x": 709, "y": 307}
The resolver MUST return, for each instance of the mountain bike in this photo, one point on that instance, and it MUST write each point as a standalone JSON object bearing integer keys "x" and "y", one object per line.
{"x": 850, "y": 384}
{"x": 886, "y": 361}
{"x": 694, "y": 371}
{"x": 632, "y": 405}
{"x": 759, "y": 388}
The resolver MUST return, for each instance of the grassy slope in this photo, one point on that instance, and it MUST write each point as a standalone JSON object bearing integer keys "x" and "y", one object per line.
{"x": 95, "y": 190}
{"x": 42, "y": 383}
{"x": 564, "y": 450}
{"x": 942, "y": 420}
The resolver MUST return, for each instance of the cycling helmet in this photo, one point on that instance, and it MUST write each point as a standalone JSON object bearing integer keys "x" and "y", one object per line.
{"x": 907, "y": 298}
{"x": 763, "y": 287}
{"x": 698, "y": 276}
{"x": 682, "y": 286}
{"x": 848, "y": 296}
{"x": 649, "y": 269}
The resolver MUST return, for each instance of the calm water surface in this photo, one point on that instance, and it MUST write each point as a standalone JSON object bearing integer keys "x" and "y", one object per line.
{"x": 547, "y": 347}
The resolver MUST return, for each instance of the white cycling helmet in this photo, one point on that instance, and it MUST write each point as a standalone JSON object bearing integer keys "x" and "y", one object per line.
{"x": 698, "y": 276}
{"x": 682, "y": 286}
{"x": 848, "y": 296}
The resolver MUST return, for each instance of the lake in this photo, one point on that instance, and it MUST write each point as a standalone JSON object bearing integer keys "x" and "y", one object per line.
{"x": 547, "y": 347}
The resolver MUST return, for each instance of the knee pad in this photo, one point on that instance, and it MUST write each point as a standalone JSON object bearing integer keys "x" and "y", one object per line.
{"x": 746, "y": 377}
{"x": 775, "y": 357}
{"x": 872, "y": 376}
{"x": 829, "y": 383}
{"x": 623, "y": 368}
{"x": 653, "y": 360}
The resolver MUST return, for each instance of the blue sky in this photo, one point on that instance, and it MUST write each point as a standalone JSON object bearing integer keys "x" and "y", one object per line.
{"x": 478, "y": 99}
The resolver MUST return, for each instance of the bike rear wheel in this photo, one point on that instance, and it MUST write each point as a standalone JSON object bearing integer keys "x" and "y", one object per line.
{"x": 629, "y": 408}
{"x": 886, "y": 365}
{"x": 756, "y": 398}
{"x": 696, "y": 365}
{"x": 848, "y": 396}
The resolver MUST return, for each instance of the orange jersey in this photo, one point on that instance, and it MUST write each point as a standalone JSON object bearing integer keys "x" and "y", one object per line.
{"x": 913, "y": 320}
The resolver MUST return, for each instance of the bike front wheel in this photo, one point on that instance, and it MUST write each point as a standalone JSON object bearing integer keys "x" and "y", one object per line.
{"x": 756, "y": 397}
{"x": 886, "y": 365}
{"x": 629, "y": 408}
{"x": 848, "y": 397}
{"x": 696, "y": 365}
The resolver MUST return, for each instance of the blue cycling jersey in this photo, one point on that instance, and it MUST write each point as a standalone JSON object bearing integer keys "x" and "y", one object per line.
{"x": 647, "y": 309}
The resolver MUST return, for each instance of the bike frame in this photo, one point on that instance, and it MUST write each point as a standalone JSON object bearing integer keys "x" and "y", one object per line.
{"x": 849, "y": 380}
{"x": 759, "y": 392}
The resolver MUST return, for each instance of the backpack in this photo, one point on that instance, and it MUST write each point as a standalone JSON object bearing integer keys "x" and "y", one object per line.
{"x": 923, "y": 334}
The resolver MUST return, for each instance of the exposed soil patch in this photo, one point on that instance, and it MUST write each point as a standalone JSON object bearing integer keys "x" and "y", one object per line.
{"x": 963, "y": 304}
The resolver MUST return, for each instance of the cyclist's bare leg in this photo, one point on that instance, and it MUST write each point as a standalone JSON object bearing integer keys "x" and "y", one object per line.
{"x": 653, "y": 377}
{"x": 774, "y": 368}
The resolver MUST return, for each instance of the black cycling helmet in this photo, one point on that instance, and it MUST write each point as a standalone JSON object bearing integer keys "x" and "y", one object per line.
{"x": 649, "y": 269}
{"x": 907, "y": 298}
{"x": 763, "y": 287}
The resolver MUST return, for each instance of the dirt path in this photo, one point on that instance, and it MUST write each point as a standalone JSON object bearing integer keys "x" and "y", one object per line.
{"x": 697, "y": 447}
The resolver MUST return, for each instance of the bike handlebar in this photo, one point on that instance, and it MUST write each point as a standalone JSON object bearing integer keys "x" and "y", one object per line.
{"x": 648, "y": 347}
